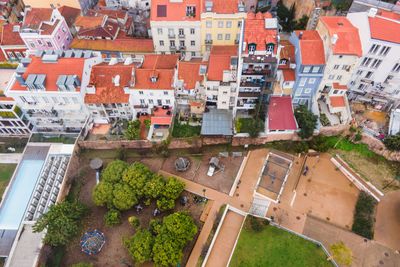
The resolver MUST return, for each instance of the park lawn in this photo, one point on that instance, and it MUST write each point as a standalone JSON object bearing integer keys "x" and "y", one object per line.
{"x": 6, "y": 172}
{"x": 275, "y": 247}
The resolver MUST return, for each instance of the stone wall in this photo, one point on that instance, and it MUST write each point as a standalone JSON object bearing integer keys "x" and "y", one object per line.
{"x": 379, "y": 148}
{"x": 105, "y": 144}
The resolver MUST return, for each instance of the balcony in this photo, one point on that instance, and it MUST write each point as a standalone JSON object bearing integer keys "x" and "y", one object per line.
{"x": 171, "y": 35}
{"x": 249, "y": 94}
{"x": 182, "y": 47}
{"x": 208, "y": 42}
{"x": 256, "y": 71}
{"x": 251, "y": 84}
{"x": 172, "y": 48}
{"x": 181, "y": 36}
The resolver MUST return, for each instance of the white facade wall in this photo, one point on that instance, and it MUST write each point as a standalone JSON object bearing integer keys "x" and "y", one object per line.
{"x": 167, "y": 31}
{"x": 146, "y": 99}
{"x": 338, "y": 69}
{"x": 141, "y": 4}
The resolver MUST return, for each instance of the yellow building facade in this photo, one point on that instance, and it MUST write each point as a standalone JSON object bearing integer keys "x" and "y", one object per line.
{"x": 220, "y": 29}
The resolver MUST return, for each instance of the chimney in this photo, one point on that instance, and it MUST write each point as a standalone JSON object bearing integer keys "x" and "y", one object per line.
{"x": 115, "y": 80}
{"x": 300, "y": 35}
{"x": 334, "y": 38}
{"x": 372, "y": 12}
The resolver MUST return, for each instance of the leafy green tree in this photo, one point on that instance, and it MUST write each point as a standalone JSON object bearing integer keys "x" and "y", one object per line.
{"x": 392, "y": 142}
{"x": 132, "y": 131}
{"x": 140, "y": 246}
{"x": 307, "y": 121}
{"x": 112, "y": 217}
{"x": 61, "y": 222}
{"x": 286, "y": 16}
{"x": 124, "y": 196}
{"x": 173, "y": 188}
{"x": 113, "y": 172}
{"x": 103, "y": 194}
{"x": 255, "y": 127}
{"x": 137, "y": 175}
{"x": 166, "y": 251}
{"x": 165, "y": 203}
{"x": 154, "y": 187}
{"x": 155, "y": 226}
{"x": 180, "y": 226}
{"x": 134, "y": 221}
{"x": 301, "y": 24}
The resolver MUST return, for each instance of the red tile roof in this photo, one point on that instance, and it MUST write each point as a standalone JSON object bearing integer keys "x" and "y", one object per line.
{"x": 337, "y": 101}
{"x": 223, "y": 7}
{"x": 64, "y": 66}
{"x": 255, "y": 31}
{"x": 280, "y": 114}
{"x": 70, "y": 14}
{"x": 160, "y": 66}
{"x": 338, "y": 86}
{"x": 9, "y": 36}
{"x": 220, "y": 60}
{"x": 348, "y": 42}
{"x": 311, "y": 48}
{"x": 111, "y": 13}
{"x": 161, "y": 120}
{"x": 102, "y": 77}
{"x": 189, "y": 72}
{"x": 166, "y": 10}
{"x": 287, "y": 51}
{"x": 288, "y": 75}
{"x": 384, "y": 29}
{"x": 118, "y": 45}
{"x": 34, "y": 17}
{"x": 89, "y": 21}
{"x": 109, "y": 29}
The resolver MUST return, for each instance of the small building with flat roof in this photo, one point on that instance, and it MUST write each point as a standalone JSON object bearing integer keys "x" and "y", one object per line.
{"x": 217, "y": 122}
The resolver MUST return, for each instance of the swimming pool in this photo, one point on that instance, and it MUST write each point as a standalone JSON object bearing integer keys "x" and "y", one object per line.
{"x": 14, "y": 205}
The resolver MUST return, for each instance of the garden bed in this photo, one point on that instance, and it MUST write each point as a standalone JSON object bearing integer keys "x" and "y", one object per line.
{"x": 265, "y": 245}
{"x": 182, "y": 129}
{"x": 364, "y": 216}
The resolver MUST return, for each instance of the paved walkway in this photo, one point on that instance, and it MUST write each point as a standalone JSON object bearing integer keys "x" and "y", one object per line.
{"x": 242, "y": 199}
{"x": 10, "y": 157}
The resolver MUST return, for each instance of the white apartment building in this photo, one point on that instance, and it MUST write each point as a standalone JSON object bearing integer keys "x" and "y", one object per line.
{"x": 376, "y": 79}
{"x": 175, "y": 27}
{"x": 12, "y": 120}
{"x": 117, "y": 4}
{"x": 50, "y": 87}
{"x": 342, "y": 48}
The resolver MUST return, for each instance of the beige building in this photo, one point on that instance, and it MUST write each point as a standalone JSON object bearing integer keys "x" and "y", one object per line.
{"x": 84, "y": 5}
{"x": 221, "y": 22}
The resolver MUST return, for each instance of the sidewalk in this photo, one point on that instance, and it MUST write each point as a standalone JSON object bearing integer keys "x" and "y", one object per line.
{"x": 12, "y": 158}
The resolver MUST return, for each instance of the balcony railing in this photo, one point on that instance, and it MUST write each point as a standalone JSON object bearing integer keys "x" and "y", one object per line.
{"x": 256, "y": 72}
{"x": 172, "y": 47}
{"x": 208, "y": 42}
{"x": 171, "y": 35}
{"x": 182, "y": 47}
{"x": 181, "y": 35}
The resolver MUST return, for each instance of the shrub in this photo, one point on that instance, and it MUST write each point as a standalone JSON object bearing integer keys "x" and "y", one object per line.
{"x": 140, "y": 246}
{"x": 392, "y": 142}
{"x": 165, "y": 204}
{"x": 364, "y": 215}
{"x": 255, "y": 224}
{"x": 132, "y": 131}
{"x": 358, "y": 137}
{"x": 307, "y": 121}
{"x": 112, "y": 217}
{"x": 134, "y": 221}
{"x": 147, "y": 123}
{"x": 121, "y": 154}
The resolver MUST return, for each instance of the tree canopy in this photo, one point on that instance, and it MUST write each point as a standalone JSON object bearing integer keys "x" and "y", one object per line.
{"x": 306, "y": 120}
{"x": 124, "y": 196}
{"x": 62, "y": 222}
{"x": 392, "y": 142}
{"x": 114, "y": 170}
{"x": 136, "y": 176}
{"x": 140, "y": 246}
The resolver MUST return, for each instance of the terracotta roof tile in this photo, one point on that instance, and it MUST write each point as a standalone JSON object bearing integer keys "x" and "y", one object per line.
{"x": 280, "y": 114}
{"x": 287, "y": 51}
{"x": 338, "y": 86}
{"x": 348, "y": 42}
{"x": 337, "y": 101}
{"x": 255, "y": 31}
{"x": 107, "y": 92}
{"x": 385, "y": 29}
{"x": 166, "y": 10}
{"x": 89, "y": 21}
{"x": 160, "y": 61}
{"x": 220, "y": 60}
{"x": 34, "y": 17}
{"x": 118, "y": 45}
{"x": 189, "y": 72}
{"x": 70, "y": 14}
{"x": 289, "y": 75}
{"x": 9, "y": 36}
{"x": 109, "y": 29}
{"x": 311, "y": 48}
{"x": 224, "y": 7}
{"x": 64, "y": 66}
{"x": 161, "y": 120}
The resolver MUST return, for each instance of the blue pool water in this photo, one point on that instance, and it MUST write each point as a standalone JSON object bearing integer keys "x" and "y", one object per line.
{"x": 14, "y": 205}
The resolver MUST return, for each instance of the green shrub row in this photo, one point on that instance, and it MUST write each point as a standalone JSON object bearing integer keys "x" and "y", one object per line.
{"x": 364, "y": 214}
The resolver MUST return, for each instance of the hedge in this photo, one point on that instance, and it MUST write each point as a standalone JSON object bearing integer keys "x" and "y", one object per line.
{"x": 364, "y": 216}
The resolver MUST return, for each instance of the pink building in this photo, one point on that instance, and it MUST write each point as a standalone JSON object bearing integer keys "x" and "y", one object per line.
{"x": 45, "y": 29}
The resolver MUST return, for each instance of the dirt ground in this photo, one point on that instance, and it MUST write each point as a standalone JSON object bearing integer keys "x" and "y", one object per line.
{"x": 387, "y": 225}
{"x": 221, "y": 181}
{"x": 324, "y": 193}
{"x": 365, "y": 253}
{"x": 113, "y": 252}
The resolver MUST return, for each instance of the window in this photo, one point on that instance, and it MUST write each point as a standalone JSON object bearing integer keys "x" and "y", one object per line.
{"x": 368, "y": 75}
{"x": 208, "y": 24}
{"x": 63, "y": 29}
{"x": 331, "y": 77}
{"x": 307, "y": 91}
{"x": 298, "y": 92}
{"x": 335, "y": 92}
{"x": 270, "y": 48}
{"x": 192, "y": 43}
{"x": 151, "y": 101}
{"x": 220, "y": 24}
{"x": 172, "y": 42}
{"x": 168, "y": 101}
{"x": 252, "y": 48}
{"x": 32, "y": 44}
{"x": 239, "y": 24}
{"x": 192, "y": 31}
{"x": 165, "y": 92}
{"x": 315, "y": 69}
{"x": 159, "y": 31}
{"x": 54, "y": 99}
{"x": 339, "y": 77}
{"x": 66, "y": 100}
{"x": 227, "y": 36}
{"x": 182, "y": 43}
{"x": 18, "y": 54}
{"x": 345, "y": 67}
{"x": 39, "y": 42}
{"x": 171, "y": 32}
{"x": 229, "y": 24}
{"x": 190, "y": 11}
{"x": 181, "y": 32}
{"x": 161, "y": 43}
{"x": 302, "y": 81}
{"x": 45, "y": 99}
{"x": 193, "y": 54}
{"x": 366, "y": 61}
{"x": 140, "y": 92}
{"x": 336, "y": 67}
{"x": 142, "y": 101}
{"x": 376, "y": 63}
{"x": 219, "y": 36}
{"x": 306, "y": 69}
{"x": 374, "y": 48}
{"x": 396, "y": 67}
{"x": 384, "y": 51}
{"x": 359, "y": 72}
{"x": 311, "y": 80}
{"x": 388, "y": 78}
{"x": 11, "y": 55}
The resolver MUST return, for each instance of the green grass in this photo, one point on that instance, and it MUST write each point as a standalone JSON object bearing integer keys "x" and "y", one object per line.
{"x": 184, "y": 130}
{"x": 6, "y": 171}
{"x": 274, "y": 247}
{"x": 65, "y": 139}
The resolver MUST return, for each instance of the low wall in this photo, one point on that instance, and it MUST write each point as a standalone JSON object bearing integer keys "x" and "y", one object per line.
{"x": 103, "y": 144}
{"x": 379, "y": 148}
